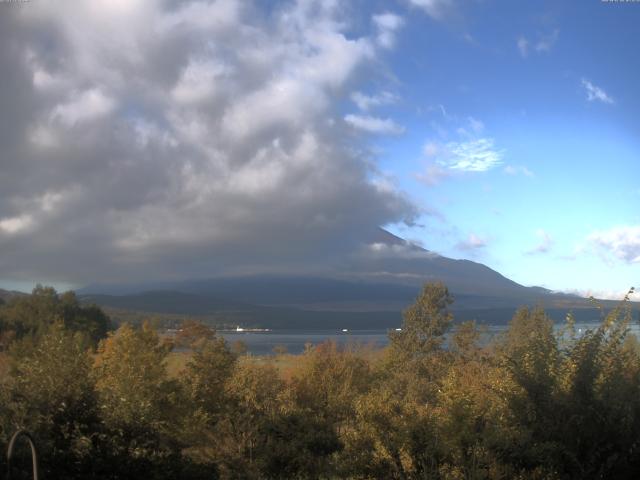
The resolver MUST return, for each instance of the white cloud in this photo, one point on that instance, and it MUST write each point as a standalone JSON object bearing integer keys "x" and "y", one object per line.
{"x": 471, "y": 129}
{"x": 15, "y": 225}
{"x": 546, "y": 41}
{"x": 472, "y": 243}
{"x": 387, "y": 25}
{"x": 193, "y": 135}
{"x": 471, "y": 153}
{"x": 200, "y": 80}
{"x": 367, "y": 102}
{"x": 433, "y": 174}
{"x": 621, "y": 242}
{"x": 545, "y": 244}
{"x": 370, "y": 124}
{"x": 518, "y": 170}
{"x": 431, "y": 149}
{"x": 477, "y": 155}
{"x": 84, "y": 106}
{"x": 436, "y": 9}
{"x": 406, "y": 251}
{"x": 595, "y": 93}
{"x": 476, "y": 125}
{"x": 201, "y": 16}
{"x": 543, "y": 44}
{"x": 603, "y": 294}
{"x": 523, "y": 46}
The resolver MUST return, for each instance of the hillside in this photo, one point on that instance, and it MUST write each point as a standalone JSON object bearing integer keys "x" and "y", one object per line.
{"x": 360, "y": 298}
{"x": 6, "y": 295}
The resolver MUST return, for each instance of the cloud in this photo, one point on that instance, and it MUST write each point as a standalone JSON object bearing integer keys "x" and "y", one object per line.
{"x": 545, "y": 244}
{"x": 83, "y": 106}
{"x": 546, "y": 41}
{"x": 518, "y": 170}
{"x": 477, "y": 155}
{"x": 523, "y": 46}
{"x": 476, "y": 125}
{"x": 387, "y": 24}
{"x": 406, "y": 251}
{"x": 471, "y": 153}
{"x": 543, "y": 44}
{"x": 436, "y": 9}
{"x": 370, "y": 124}
{"x": 431, "y": 149}
{"x": 153, "y": 139}
{"x": 433, "y": 174}
{"x": 367, "y": 102}
{"x": 603, "y": 294}
{"x": 621, "y": 242}
{"x": 595, "y": 93}
{"x": 471, "y": 128}
{"x": 15, "y": 225}
{"x": 472, "y": 243}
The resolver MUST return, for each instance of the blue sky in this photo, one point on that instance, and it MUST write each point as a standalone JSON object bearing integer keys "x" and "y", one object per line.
{"x": 549, "y": 89}
{"x": 147, "y": 140}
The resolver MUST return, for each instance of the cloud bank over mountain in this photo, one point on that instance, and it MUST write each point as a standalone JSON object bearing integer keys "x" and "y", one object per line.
{"x": 145, "y": 138}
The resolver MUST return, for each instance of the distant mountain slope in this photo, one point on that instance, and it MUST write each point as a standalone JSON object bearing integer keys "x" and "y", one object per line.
{"x": 166, "y": 301}
{"x": 376, "y": 285}
{"x": 6, "y": 295}
{"x": 176, "y": 305}
{"x": 389, "y": 270}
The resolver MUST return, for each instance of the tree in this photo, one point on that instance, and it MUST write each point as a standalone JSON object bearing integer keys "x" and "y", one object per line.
{"x": 396, "y": 422}
{"x": 139, "y": 405}
{"x": 322, "y": 397}
{"x": 415, "y": 359}
{"x": 424, "y": 323}
{"x": 328, "y": 380}
{"x": 88, "y": 319}
{"x": 192, "y": 332}
{"x": 207, "y": 373}
{"x": 575, "y": 401}
{"x": 51, "y": 394}
{"x": 33, "y": 314}
{"x": 243, "y": 444}
{"x": 204, "y": 385}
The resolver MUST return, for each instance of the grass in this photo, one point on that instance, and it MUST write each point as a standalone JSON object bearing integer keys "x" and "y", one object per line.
{"x": 285, "y": 363}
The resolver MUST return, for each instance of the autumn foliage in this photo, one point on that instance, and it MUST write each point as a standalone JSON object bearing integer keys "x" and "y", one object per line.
{"x": 438, "y": 403}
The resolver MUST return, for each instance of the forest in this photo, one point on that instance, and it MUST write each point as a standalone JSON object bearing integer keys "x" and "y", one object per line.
{"x": 534, "y": 403}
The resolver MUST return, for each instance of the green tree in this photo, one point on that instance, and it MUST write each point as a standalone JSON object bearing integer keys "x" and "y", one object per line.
{"x": 424, "y": 323}
{"x": 204, "y": 383}
{"x": 192, "y": 332}
{"x": 51, "y": 394}
{"x": 207, "y": 373}
{"x": 139, "y": 405}
{"x": 33, "y": 314}
{"x": 322, "y": 397}
{"x": 576, "y": 398}
{"x": 395, "y": 434}
{"x": 243, "y": 446}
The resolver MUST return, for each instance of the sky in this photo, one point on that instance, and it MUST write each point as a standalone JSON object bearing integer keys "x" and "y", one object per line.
{"x": 149, "y": 140}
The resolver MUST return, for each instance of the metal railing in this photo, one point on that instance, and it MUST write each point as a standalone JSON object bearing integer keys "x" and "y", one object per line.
{"x": 34, "y": 453}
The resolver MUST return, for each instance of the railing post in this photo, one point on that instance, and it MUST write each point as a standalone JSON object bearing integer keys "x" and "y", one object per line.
{"x": 34, "y": 453}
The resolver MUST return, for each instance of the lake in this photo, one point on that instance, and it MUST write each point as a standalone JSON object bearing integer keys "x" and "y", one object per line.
{"x": 263, "y": 343}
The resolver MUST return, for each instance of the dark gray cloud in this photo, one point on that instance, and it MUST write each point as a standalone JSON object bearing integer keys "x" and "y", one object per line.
{"x": 154, "y": 139}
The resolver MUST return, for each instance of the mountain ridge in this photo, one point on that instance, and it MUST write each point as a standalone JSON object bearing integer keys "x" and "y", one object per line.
{"x": 378, "y": 285}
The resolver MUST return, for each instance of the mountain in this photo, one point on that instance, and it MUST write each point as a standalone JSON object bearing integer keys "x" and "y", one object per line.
{"x": 371, "y": 291}
{"x": 6, "y": 295}
{"x": 389, "y": 269}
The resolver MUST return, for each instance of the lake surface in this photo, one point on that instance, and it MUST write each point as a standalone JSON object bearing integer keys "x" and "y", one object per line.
{"x": 263, "y": 343}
